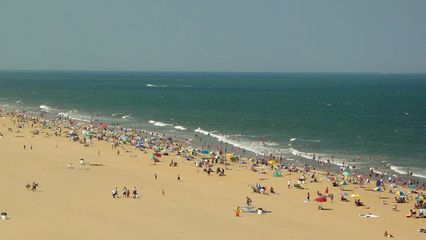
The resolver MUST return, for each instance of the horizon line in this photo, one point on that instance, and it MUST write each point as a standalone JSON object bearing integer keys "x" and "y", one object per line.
{"x": 205, "y": 71}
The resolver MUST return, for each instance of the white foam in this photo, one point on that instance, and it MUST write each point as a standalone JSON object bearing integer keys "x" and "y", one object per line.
{"x": 180, "y": 128}
{"x": 421, "y": 173}
{"x": 159, "y": 124}
{"x": 257, "y": 147}
{"x": 151, "y": 85}
{"x": 292, "y": 139}
{"x": 44, "y": 108}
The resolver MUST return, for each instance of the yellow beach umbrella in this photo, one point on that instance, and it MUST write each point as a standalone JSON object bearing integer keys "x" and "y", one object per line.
{"x": 355, "y": 195}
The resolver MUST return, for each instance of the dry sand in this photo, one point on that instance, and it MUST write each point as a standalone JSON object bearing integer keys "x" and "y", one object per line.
{"x": 77, "y": 203}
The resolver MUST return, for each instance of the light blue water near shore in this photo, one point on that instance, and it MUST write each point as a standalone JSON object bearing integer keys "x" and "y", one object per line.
{"x": 379, "y": 117}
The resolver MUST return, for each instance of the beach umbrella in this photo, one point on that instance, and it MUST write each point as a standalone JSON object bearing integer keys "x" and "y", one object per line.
{"x": 321, "y": 199}
{"x": 355, "y": 195}
{"x": 378, "y": 189}
{"x": 346, "y": 174}
{"x": 400, "y": 194}
{"x": 420, "y": 198}
{"x": 343, "y": 183}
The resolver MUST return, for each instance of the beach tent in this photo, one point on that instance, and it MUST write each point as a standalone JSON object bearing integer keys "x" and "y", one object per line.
{"x": 277, "y": 174}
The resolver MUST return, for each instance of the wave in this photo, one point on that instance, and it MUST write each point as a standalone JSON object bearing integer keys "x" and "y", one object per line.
{"x": 154, "y": 85}
{"x": 180, "y": 128}
{"x": 159, "y": 124}
{"x": 257, "y": 147}
{"x": 421, "y": 173}
{"x": 44, "y": 108}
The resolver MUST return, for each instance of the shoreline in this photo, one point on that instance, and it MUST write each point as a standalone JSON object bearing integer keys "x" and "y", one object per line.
{"x": 211, "y": 199}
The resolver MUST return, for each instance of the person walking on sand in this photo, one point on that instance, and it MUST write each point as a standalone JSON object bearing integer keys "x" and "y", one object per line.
{"x": 155, "y": 176}
{"x": 308, "y": 196}
{"x": 24, "y": 146}
{"x": 31, "y": 147}
{"x": 163, "y": 192}
{"x": 289, "y": 183}
{"x": 178, "y": 178}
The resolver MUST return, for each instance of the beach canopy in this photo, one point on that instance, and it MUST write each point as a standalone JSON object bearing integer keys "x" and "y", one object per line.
{"x": 321, "y": 199}
{"x": 346, "y": 174}
{"x": 378, "y": 189}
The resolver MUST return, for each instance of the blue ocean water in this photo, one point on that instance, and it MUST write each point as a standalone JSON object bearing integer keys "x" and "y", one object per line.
{"x": 377, "y": 119}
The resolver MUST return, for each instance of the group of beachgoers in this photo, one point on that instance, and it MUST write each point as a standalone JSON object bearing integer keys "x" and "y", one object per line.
{"x": 125, "y": 193}
{"x": 121, "y": 137}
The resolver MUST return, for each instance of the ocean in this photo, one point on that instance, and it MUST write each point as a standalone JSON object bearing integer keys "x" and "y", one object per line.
{"x": 370, "y": 120}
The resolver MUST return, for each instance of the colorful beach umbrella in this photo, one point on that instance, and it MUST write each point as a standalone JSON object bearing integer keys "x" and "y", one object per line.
{"x": 400, "y": 193}
{"x": 420, "y": 198}
{"x": 378, "y": 189}
{"x": 346, "y": 174}
{"x": 321, "y": 199}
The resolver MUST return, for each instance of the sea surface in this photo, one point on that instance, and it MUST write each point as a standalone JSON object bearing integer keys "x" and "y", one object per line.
{"x": 370, "y": 120}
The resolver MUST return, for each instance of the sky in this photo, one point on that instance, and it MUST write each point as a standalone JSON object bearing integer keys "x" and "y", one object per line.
{"x": 214, "y": 35}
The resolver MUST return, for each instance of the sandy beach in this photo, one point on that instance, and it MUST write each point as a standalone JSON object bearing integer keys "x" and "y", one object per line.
{"x": 77, "y": 203}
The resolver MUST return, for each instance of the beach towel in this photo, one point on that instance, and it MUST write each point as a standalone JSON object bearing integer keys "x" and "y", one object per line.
{"x": 369, "y": 215}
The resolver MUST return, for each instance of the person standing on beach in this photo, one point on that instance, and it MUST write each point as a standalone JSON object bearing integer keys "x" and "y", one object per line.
{"x": 24, "y": 146}
{"x": 248, "y": 201}
{"x": 178, "y": 178}
{"x": 308, "y": 196}
{"x": 289, "y": 183}
{"x": 155, "y": 176}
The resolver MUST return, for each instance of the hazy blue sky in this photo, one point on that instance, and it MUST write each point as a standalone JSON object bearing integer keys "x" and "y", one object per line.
{"x": 214, "y": 35}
